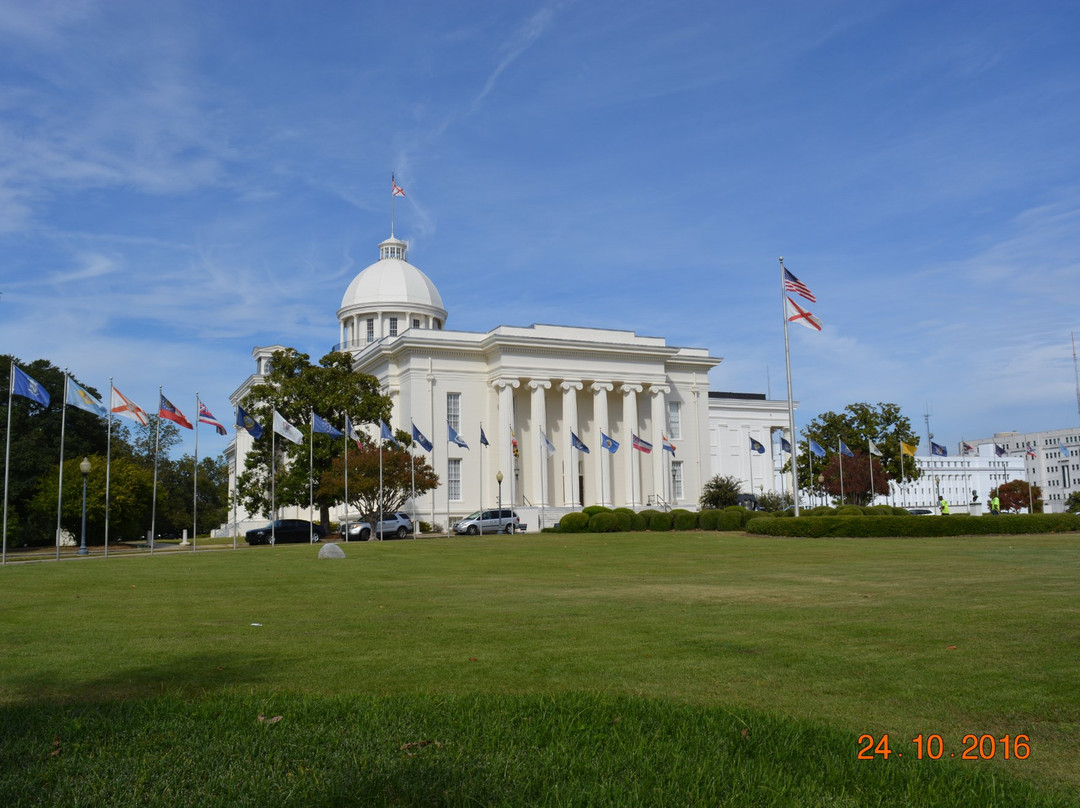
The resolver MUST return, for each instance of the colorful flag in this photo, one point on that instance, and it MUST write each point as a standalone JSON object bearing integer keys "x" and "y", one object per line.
{"x": 166, "y": 409}
{"x": 23, "y": 385}
{"x": 454, "y": 437}
{"x": 640, "y": 444}
{"x": 247, "y": 422}
{"x": 793, "y": 284}
{"x": 874, "y": 450}
{"x": 815, "y": 448}
{"x": 397, "y": 190}
{"x": 351, "y": 432}
{"x": 320, "y": 424}
{"x": 785, "y": 445}
{"x": 938, "y": 449}
{"x": 78, "y": 397}
{"x": 418, "y": 436}
{"x": 287, "y": 430}
{"x": 966, "y": 448}
{"x": 667, "y": 445}
{"x": 609, "y": 444}
{"x": 513, "y": 442}
{"x": 206, "y": 417}
{"x": 908, "y": 449}
{"x": 576, "y": 443}
{"x": 386, "y": 434}
{"x": 756, "y": 446}
{"x": 1030, "y": 451}
{"x": 1064, "y": 449}
{"x": 999, "y": 451}
{"x": 483, "y": 438}
{"x": 549, "y": 447}
{"x": 797, "y": 314}
{"x": 844, "y": 450}
{"x": 122, "y": 405}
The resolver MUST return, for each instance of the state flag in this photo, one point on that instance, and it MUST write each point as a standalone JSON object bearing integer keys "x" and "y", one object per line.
{"x": 999, "y": 451}
{"x": 243, "y": 419}
{"x": 757, "y": 446}
{"x": 640, "y": 444}
{"x": 351, "y": 432}
{"x": 320, "y": 424}
{"x": 548, "y": 446}
{"x": 785, "y": 445}
{"x": 454, "y": 437}
{"x": 908, "y": 449}
{"x": 207, "y": 417}
{"x": 287, "y": 430}
{"x": 608, "y": 443}
{"x": 667, "y": 445}
{"x": 386, "y": 434}
{"x": 122, "y": 405}
{"x": 844, "y": 450}
{"x": 874, "y": 450}
{"x": 78, "y": 397}
{"x": 815, "y": 448}
{"x": 23, "y": 385}
{"x": 483, "y": 438}
{"x": 577, "y": 443}
{"x": 419, "y": 437}
{"x": 797, "y": 314}
{"x": 396, "y": 190}
{"x": 938, "y": 449}
{"x": 166, "y": 409}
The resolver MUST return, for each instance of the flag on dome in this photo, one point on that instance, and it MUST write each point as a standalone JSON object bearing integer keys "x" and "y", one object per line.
{"x": 78, "y": 397}
{"x": 640, "y": 444}
{"x": 576, "y": 443}
{"x": 166, "y": 409}
{"x": 757, "y": 446}
{"x": 815, "y": 448}
{"x": 419, "y": 437}
{"x": 320, "y": 424}
{"x": 207, "y": 417}
{"x": 797, "y": 314}
{"x": 122, "y": 405}
{"x": 938, "y": 449}
{"x": 247, "y": 422}
{"x": 454, "y": 437}
{"x": 607, "y": 443}
{"x": 844, "y": 450}
{"x": 287, "y": 430}
{"x": 549, "y": 447}
{"x": 397, "y": 190}
{"x": 23, "y": 385}
{"x": 667, "y": 445}
{"x": 793, "y": 284}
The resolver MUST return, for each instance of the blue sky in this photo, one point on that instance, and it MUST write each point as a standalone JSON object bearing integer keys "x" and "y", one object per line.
{"x": 183, "y": 181}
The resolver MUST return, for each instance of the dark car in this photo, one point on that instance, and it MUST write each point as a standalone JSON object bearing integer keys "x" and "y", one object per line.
{"x": 748, "y": 501}
{"x": 285, "y": 531}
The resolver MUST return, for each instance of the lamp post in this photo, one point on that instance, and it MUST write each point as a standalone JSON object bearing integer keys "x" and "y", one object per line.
{"x": 498, "y": 479}
{"x": 84, "y": 467}
{"x": 821, "y": 485}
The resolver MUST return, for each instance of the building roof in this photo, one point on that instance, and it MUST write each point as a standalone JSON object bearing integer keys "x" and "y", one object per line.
{"x": 392, "y": 284}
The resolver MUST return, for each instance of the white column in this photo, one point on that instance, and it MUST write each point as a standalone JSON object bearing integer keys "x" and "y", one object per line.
{"x": 659, "y": 427}
{"x": 600, "y": 416}
{"x": 538, "y": 417}
{"x": 505, "y": 388}
{"x": 573, "y": 456}
{"x": 630, "y": 416}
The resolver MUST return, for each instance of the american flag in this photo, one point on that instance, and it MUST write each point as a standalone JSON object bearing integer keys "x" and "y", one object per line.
{"x": 793, "y": 284}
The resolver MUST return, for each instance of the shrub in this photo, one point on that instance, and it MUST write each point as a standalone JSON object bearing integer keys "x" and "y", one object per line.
{"x": 646, "y": 515}
{"x": 638, "y": 522}
{"x": 603, "y": 523}
{"x": 683, "y": 519}
{"x": 916, "y": 526}
{"x": 849, "y": 510}
{"x": 729, "y": 519}
{"x": 773, "y": 501}
{"x": 660, "y": 521}
{"x": 720, "y": 492}
{"x": 625, "y": 519}
{"x": 576, "y": 522}
{"x": 707, "y": 519}
{"x": 595, "y": 509}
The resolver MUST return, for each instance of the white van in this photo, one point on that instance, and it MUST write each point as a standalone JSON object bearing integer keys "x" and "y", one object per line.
{"x": 492, "y": 521}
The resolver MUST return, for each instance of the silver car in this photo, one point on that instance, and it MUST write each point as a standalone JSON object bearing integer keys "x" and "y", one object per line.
{"x": 392, "y": 525}
{"x": 489, "y": 521}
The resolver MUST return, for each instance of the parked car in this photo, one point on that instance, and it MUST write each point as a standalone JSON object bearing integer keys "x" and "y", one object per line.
{"x": 392, "y": 525}
{"x": 285, "y": 531}
{"x": 748, "y": 501}
{"x": 491, "y": 521}
{"x": 920, "y": 511}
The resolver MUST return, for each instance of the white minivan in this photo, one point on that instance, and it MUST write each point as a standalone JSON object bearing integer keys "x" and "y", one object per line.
{"x": 492, "y": 521}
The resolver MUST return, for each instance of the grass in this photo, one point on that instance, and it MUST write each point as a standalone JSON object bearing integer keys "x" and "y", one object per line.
{"x": 621, "y": 668}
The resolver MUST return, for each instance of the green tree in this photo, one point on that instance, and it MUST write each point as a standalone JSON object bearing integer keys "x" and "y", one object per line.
{"x": 774, "y": 501}
{"x": 1072, "y": 504}
{"x": 176, "y": 495}
{"x": 859, "y": 423}
{"x": 295, "y": 387}
{"x": 1017, "y": 495}
{"x": 145, "y": 440}
{"x": 720, "y": 492}
{"x": 399, "y": 469}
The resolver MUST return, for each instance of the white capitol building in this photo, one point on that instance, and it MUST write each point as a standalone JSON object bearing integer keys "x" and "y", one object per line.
{"x": 528, "y": 382}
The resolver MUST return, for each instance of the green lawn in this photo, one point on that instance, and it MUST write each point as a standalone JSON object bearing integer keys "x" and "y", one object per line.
{"x": 736, "y": 670}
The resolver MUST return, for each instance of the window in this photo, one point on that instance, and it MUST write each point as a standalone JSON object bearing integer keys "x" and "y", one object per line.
{"x": 674, "y": 419}
{"x": 370, "y": 330}
{"x": 453, "y": 410}
{"x": 676, "y": 480}
{"x": 415, "y": 323}
{"x": 393, "y": 326}
{"x": 453, "y": 479}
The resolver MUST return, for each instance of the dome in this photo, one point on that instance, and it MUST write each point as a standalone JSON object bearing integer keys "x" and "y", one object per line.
{"x": 389, "y": 296}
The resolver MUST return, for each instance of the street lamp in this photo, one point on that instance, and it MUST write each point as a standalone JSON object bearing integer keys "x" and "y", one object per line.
{"x": 84, "y": 467}
{"x": 498, "y": 479}
{"x": 821, "y": 485}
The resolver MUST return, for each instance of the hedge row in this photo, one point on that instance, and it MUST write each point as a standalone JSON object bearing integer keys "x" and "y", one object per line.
{"x": 598, "y": 519}
{"x": 956, "y": 525}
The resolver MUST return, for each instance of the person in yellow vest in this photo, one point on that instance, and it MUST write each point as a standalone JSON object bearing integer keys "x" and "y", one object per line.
{"x": 944, "y": 507}
{"x": 995, "y": 505}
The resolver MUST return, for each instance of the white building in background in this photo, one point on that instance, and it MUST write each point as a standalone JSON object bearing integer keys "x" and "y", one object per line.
{"x": 958, "y": 479}
{"x": 539, "y": 385}
{"x": 1053, "y": 462}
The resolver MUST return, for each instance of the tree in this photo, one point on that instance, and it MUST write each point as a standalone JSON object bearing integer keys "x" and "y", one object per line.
{"x": 1072, "y": 504}
{"x": 859, "y": 423}
{"x": 398, "y": 470}
{"x": 145, "y": 440}
{"x": 1017, "y": 495}
{"x": 294, "y": 387}
{"x": 774, "y": 501}
{"x": 720, "y": 492}
{"x": 856, "y": 478}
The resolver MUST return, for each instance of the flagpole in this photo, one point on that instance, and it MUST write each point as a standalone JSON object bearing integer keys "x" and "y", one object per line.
{"x": 481, "y": 480}
{"x": 7, "y": 451}
{"x": 153, "y": 510}
{"x": 236, "y": 473}
{"x": 810, "y": 457}
{"x": 108, "y": 467}
{"x": 195, "y": 482}
{"x": 348, "y": 437}
{"x": 751, "y": 457}
{"x": 870, "y": 457}
{"x": 60, "y": 490}
{"x": 790, "y": 402}
{"x": 310, "y": 483}
{"x": 841, "y": 454}
{"x": 273, "y": 485}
